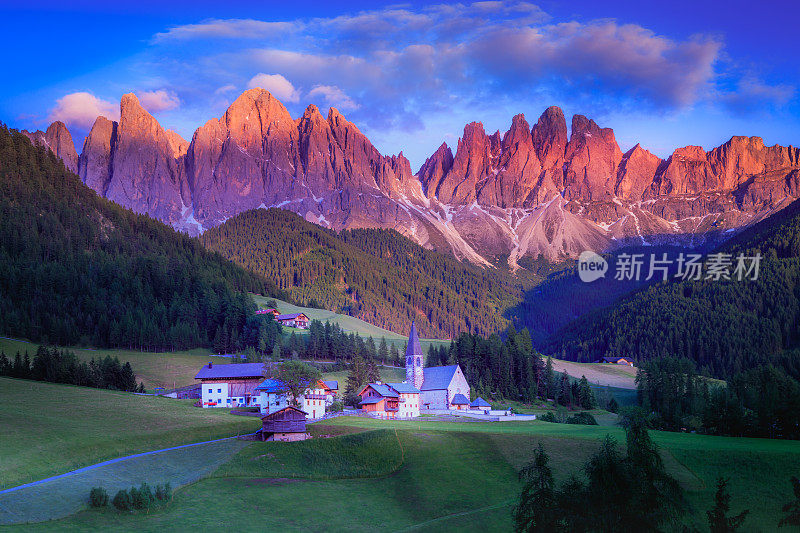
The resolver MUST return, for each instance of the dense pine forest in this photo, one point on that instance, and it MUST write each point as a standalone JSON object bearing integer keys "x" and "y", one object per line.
{"x": 725, "y": 327}
{"x": 376, "y": 275}
{"x": 78, "y": 269}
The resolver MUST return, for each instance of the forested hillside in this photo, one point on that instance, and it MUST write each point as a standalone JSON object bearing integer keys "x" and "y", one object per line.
{"x": 376, "y": 275}
{"x": 78, "y": 269}
{"x": 725, "y": 326}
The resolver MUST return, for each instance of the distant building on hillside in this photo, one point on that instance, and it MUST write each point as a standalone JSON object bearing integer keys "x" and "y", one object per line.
{"x": 230, "y": 385}
{"x": 287, "y": 424}
{"x": 438, "y": 385}
{"x": 293, "y": 320}
{"x": 615, "y": 361}
{"x": 273, "y": 312}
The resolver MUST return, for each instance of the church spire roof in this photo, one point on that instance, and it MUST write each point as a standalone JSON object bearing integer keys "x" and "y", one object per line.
{"x": 414, "y": 347}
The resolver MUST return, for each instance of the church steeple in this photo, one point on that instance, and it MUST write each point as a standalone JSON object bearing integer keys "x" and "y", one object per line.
{"x": 414, "y": 371}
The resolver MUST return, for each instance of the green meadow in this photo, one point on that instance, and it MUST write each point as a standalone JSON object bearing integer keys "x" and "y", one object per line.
{"x": 367, "y": 474}
{"x": 48, "y": 429}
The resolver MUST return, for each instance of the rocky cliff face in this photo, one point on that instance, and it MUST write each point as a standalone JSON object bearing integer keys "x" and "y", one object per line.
{"x": 530, "y": 191}
{"x": 58, "y": 139}
{"x": 136, "y": 163}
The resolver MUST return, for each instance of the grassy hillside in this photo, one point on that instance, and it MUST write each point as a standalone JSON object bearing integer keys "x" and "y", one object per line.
{"x": 438, "y": 476}
{"x": 49, "y": 429}
{"x": 376, "y": 275}
{"x": 348, "y": 323}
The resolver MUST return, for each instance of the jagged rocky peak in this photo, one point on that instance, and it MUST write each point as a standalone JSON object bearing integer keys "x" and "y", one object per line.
{"x": 94, "y": 164}
{"x": 144, "y": 172}
{"x": 636, "y": 173}
{"x": 550, "y": 137}
{"x": 686, "y": 171}
{"x": 742, "y": 157}
{"x": 473, "y": 160}
{"x": 513, "y": 179}
{"x": 58, "y": 139}
{"x": 178, "y": 144}
{"x": 592, "y": 157}
{"x": 435, "y": 168}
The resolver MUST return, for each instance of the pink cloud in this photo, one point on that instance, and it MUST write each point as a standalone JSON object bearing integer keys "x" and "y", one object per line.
{"x": 80, "y": 109}
{"x": 160, "y": 100}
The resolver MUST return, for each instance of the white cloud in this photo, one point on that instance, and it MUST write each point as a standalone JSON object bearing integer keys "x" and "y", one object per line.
{"x": 280, "y": 87}
{"x": 160, "y": 100}
{"x": 334, "y": 97}
{"x": 81, "y": 109}
{"x": 225, "y": 89}
{"x": 224, "y": 28}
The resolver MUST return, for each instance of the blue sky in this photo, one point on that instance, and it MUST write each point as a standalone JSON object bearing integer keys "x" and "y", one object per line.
{"x": 412, "y": 75}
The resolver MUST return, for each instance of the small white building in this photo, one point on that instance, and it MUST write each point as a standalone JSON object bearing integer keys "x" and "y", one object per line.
{"x": 271, "y": 396}
{"x": 315, "y": 401}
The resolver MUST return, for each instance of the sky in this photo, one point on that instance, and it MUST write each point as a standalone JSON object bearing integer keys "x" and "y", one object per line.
{"x": 411, "y": 75}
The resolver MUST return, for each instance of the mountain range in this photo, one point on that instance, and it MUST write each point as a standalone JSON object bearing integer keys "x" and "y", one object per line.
{"x": 534, "y": 191}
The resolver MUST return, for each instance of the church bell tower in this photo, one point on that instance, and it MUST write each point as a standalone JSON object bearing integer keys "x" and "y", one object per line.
{"x": 414, "y": 372}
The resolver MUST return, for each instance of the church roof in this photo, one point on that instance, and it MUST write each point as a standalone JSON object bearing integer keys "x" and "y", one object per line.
{"x": 460, "y": 399}
{"x": 414, "y": 347}
{"x": 438, "y": 377}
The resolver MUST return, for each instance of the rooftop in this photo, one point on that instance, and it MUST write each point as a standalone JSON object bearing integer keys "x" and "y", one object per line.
{"x": 404, "y": 388}
{"x": 333, "y": 385}
{"x": 480, "y": 402}
{"x": 271, "y": 385}
{"x": 438, "y": 377}
{"x": 289, "y": 316}
{"x": 231, "y": 370}
{"x": 459, "y": 399}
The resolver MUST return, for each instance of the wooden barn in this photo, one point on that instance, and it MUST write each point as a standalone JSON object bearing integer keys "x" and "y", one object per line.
{"x": 288, "y": 424}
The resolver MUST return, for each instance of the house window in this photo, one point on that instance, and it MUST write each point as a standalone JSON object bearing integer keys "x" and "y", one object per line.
{"x": 210, "y": 391}
{"x": 219, "y": 390}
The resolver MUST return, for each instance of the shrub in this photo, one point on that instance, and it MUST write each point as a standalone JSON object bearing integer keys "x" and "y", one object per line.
{"x": 122, "y": 501}
{"x": 142, "y": 498}
{"x": 163, "y": 493}
{"x": 98, "y": 497}
{"x": 582, "y": 418}
{"x": 336, "y": 407}
{"x": 548, "y": 417}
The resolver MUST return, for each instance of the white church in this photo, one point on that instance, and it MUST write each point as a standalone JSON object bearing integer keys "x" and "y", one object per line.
{"x": 441, "y": 387}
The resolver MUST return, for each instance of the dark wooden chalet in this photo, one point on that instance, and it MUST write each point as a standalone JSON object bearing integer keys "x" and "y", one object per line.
{"x": 288, "y": 424}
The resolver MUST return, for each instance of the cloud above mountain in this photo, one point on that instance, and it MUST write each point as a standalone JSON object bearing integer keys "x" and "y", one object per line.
{"x": 424, "y": 70}
{"x": 80, "y": 110}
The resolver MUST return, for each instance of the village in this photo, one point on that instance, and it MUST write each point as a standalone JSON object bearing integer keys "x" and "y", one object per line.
{"x": 425, "y": 391}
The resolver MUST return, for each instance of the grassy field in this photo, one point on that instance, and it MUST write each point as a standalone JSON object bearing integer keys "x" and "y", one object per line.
{"x": 48, "y": 429}
{"x": 167, "y": 370}
{"x": 619, "y": 376}
{"x": 436, "y": 476}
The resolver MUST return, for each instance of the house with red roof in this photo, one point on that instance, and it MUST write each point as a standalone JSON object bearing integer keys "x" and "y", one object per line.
{"x": 390, "y": 400}
{"x": 293, "y": 320}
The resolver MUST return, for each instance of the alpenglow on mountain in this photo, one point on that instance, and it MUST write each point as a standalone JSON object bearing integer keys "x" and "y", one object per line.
{"x": 531, "y": 191}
